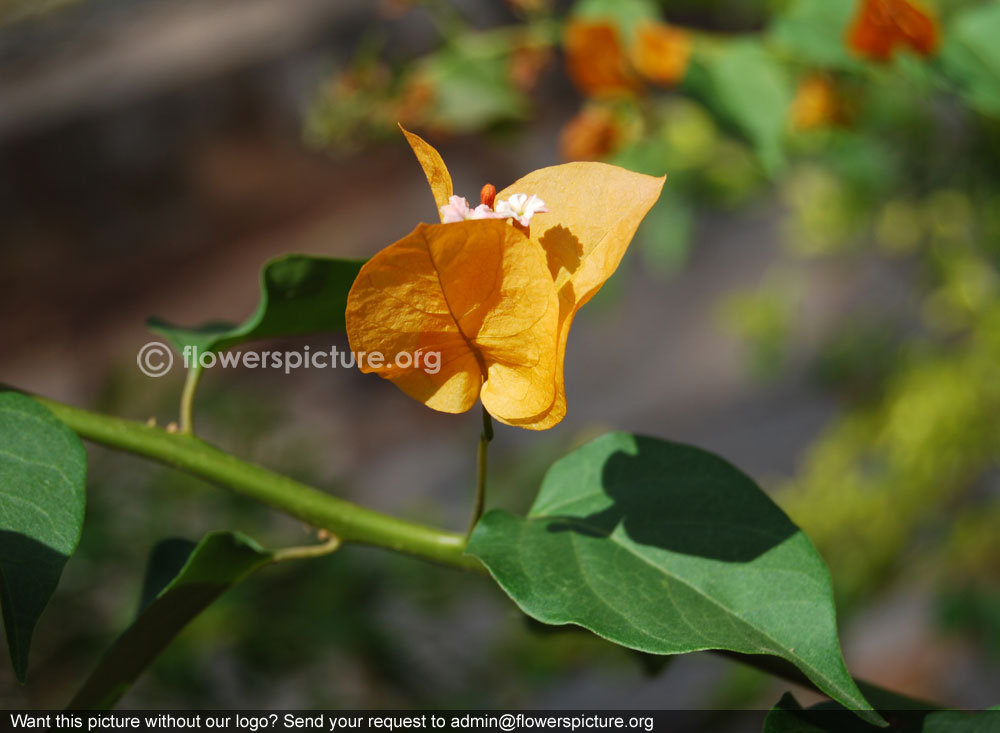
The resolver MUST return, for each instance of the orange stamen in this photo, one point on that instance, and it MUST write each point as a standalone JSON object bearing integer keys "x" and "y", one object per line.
{"x": 488, "y": 195}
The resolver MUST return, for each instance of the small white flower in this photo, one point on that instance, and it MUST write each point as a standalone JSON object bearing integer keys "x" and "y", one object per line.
{"x": 520, "y": 208}
{"x": 458, "y": 209}
{"x": 484, "y": 212}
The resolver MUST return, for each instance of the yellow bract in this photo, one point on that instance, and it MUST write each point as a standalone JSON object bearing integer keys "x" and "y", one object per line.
{"x": 495, "y": 303}
{"x": 594, "y": 210}
{"x": 478, "y": 293}
{"x": 437, "y": 173}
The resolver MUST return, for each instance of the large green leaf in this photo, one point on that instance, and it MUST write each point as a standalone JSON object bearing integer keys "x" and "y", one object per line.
{"x": 788, "y": 716}
{"x": 299, "y": 294}
{"x": 971, "y": 55}
{"x": 218, "y": 562}
{"x": 43, "y": 468}
{"x": 751, "y": 90}
{"x": 668, "y": 549}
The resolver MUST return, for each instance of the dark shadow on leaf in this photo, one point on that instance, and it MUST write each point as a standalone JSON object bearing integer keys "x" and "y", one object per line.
{"x": 29, "y": 574}
{"x": 562, "y": 250}
{"x": 165, "y": 562}
{"x": 685, "y": 500}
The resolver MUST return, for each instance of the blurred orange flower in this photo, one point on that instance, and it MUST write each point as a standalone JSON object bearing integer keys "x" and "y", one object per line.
{"x": 527, "y": 64}
{"x": 816, "y": 104}
{"x": 591, "y": 135}
{"x": 596, "y": 61}
{"x": 661, "y": 53}
{"x": 882, "y": 26}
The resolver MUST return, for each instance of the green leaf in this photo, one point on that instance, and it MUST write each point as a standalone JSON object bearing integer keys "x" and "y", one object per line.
{"x": 788, "y": 716}
{"x": 971, "y": 56}
{"x": 961, "y": 721}
{"x": 668, "y": 549}
{"x": 665, "y": 235}
{"x": 299, "y": 294}
{"x": 43, "y": 469}
{"x": 813, "y": 32}
{"x": 165, "y": 563}
{"x": 472, "y": 88}
{"x": 751, "y": 90}
{"x": 218, "y": 562}
{"x": 626, "y": 15}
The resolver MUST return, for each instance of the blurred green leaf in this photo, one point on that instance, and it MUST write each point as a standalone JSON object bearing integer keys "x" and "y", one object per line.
{"x": 971, "y": 55}
{"x": 788, "y": 716}
{"x": 668, "y": 549}
{"x": 472, "y": 88}
{"x": 763, "y": 319}
{"x": 748, "y": 87}
{"x": 665, "y": 236}
{"x": 972, "y": 611}
{"x": 626, "y": 15}
{"x": 960, "y": 721}
{"x": 651, "y": 156}
{"x": 299, "y": 294}
{"x": 218, "y": 562}
{"x": 43, "y": 469}
{"x": 813, "y": 32}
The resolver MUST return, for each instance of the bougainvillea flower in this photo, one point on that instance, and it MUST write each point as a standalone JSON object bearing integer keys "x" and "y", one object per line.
{"x": 882, "y": 26}
{"x": 817, "y": 104}
{"x": 661, "y": 52}
{"x": 594, "y": 211}
{"x": 496, "y": 299}
{"x": 592, "y": 134}
{"x": 596, "y": 61}
{"x": 476, "y": 292}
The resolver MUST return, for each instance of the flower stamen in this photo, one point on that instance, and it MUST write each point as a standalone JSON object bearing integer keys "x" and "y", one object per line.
{"x": 488, "y": 195}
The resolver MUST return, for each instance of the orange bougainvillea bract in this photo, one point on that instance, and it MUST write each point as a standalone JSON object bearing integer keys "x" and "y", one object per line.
{"x": 883, "y": 26}
{"x": 493, "y": 296}
{"x": 592, "y": 134}
{"x": 661, "y": 52}
{"x": 817, "y": 104}
{"x": 596, "y": 61}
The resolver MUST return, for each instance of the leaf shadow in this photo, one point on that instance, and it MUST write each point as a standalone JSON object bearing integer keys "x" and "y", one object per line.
{"x": 685, "y": 500}
{"x": 29, "y": 574}
{"x": 563, "y": 249}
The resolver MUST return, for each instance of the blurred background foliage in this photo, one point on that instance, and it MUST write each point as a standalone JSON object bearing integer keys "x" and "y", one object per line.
{"x": 866, "y": 131}
{"x": 877, "y": 125}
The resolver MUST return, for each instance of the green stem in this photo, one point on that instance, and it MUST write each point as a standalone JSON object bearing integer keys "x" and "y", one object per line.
{"x": 187, "y": 399}
{"x": 349, "y": 522}
{"x": 481, "y": 464}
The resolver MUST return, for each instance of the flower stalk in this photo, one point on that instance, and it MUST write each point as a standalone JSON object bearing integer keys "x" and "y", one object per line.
{"x": 481, "y": 468}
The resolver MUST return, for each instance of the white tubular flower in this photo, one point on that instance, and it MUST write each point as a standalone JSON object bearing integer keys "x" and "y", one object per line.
{"x": 458, "y": 209}
{"x": 520, "y": 208}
